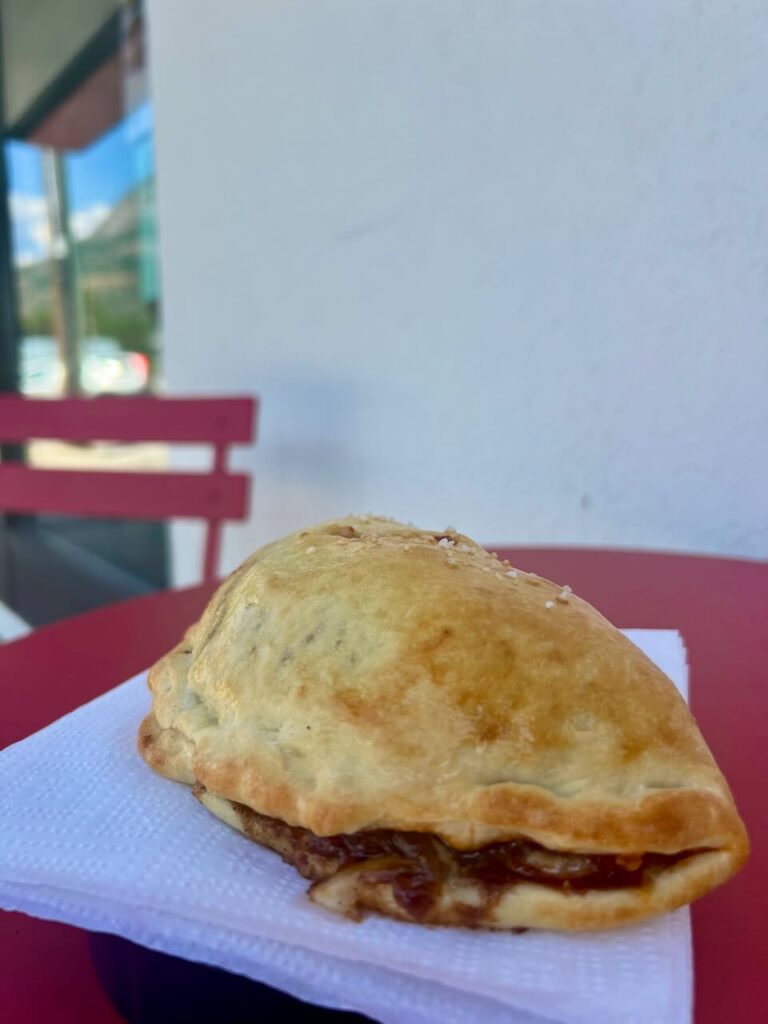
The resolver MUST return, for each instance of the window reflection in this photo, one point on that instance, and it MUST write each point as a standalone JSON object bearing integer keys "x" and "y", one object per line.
{"x": 88, "y": 289}
{"x": 79, "y": 170}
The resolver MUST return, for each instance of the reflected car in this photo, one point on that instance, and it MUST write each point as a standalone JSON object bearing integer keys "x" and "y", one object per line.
{"x": 105, "y": 368}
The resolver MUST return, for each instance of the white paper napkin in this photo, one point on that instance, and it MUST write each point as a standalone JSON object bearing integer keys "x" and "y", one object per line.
{"x": 89, "y": 836}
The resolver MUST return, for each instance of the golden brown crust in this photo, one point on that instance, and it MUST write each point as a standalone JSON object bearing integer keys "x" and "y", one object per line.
{"x": 364, "y": 674}
{"x": 665, "y": 820}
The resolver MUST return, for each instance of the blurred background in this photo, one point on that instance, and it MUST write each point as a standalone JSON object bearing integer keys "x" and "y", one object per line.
{"x": 499, "y": 264}
{"x": 79, "y": 283}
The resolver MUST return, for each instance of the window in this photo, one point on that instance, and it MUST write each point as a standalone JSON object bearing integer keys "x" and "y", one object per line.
{"x": 78, "y": 262}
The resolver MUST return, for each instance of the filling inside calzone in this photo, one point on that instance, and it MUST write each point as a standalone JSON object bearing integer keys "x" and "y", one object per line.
{"x": 416, "y": 869}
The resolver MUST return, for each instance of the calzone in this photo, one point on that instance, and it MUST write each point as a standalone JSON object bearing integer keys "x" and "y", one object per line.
{"x": 423, "y": 731}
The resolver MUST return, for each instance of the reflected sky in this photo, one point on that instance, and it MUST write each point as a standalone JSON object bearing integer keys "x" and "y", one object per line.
{"x": 97, "y": 177}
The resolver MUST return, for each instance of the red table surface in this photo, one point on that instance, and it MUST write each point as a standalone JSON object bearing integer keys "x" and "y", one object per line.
{"x": 718, "y": 605}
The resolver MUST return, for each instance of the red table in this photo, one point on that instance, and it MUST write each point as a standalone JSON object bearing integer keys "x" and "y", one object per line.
{"x": 718, "y": 605}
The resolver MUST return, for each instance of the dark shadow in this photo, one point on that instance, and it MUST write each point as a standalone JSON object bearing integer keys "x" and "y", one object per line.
{"x": 147, "y": 987}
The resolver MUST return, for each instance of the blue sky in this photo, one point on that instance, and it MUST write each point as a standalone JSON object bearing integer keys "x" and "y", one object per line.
{"x": 97, "y": 177}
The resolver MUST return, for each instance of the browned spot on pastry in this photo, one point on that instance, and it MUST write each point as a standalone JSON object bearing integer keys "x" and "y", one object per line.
{"x": 432, "y": 643}
{"x": 343, "y": 531}
{"x": 632, "y": 748}
{"x": 356, "y": 708}
{"x": 489, "y": 731}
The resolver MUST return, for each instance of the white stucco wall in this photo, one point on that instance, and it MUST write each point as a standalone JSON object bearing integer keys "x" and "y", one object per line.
{"x": 493, "y": 263}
